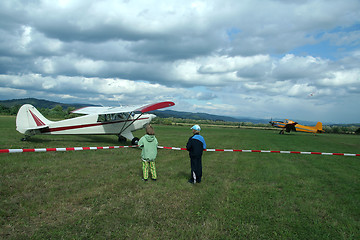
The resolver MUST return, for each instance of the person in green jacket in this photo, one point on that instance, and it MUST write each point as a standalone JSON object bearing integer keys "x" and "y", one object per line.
{"x": 148, "y": 143}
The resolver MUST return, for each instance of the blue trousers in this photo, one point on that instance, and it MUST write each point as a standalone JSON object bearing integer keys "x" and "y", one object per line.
{"x": 196, "y": 169}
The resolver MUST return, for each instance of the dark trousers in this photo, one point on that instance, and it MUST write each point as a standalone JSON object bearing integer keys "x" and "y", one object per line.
{"x": 196, "y": 168}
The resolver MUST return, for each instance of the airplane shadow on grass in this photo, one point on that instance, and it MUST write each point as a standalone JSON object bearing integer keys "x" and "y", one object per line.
{"x": 76, "y": 140}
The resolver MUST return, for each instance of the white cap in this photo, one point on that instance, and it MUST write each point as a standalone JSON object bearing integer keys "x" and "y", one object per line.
{"x": 196, "y": 128}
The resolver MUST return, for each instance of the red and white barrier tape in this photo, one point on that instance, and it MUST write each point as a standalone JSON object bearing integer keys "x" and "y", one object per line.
{"x": 268, "y": 151}
{"x": 59, "y": 149}
{"x": 171, "y": 148}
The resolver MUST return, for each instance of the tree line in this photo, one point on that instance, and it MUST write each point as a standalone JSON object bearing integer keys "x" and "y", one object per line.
{"x": 55, "y": 113}
{"x": 58, "y": 112}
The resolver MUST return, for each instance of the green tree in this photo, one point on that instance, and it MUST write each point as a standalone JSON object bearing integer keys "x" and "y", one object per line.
{"x": 14, "y": 109}
{"x": 357, "y": 131}
{"x": 4, "y": 110}
{"x": 58, "y": 108}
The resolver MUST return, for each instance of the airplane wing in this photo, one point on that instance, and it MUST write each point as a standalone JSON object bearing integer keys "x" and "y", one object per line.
{"x": 124, "y": 109}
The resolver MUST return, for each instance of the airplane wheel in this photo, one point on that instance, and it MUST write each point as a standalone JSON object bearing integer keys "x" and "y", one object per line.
{"x": 25, "y": 138}
{"x": 135, "y": 141}
{"x": 121, "y": 139}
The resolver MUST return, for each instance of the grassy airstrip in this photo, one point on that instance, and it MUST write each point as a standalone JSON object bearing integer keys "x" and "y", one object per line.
{"x": 98, "y": 194}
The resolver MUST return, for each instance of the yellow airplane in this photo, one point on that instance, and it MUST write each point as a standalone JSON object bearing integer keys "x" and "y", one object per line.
{"x": 289, "y": 125}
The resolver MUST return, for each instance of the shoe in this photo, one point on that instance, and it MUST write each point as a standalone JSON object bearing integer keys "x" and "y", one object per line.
{"x": 144, "y": 180}
{"x": 154, "y": 179}
{"x": 191, "y": 181}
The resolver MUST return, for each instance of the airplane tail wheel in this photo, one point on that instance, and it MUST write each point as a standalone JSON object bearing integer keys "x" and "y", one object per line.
{"x": 25, "y": 138}
{"x": 135, "y": 141}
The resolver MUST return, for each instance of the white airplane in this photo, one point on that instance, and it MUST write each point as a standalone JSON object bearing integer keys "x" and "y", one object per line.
{"x": 120, "y": 121}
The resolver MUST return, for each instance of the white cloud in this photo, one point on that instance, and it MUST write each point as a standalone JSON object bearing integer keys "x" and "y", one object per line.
{"x": 25, "y": 37}
{"x": 88, "y": 66}
{"x": 342, "y": 78}
{"x": 292, "y": 67}
{"x": 225, "y": 64}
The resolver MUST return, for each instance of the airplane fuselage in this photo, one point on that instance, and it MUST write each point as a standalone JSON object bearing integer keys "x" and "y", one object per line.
{"x": 94, "y": 124}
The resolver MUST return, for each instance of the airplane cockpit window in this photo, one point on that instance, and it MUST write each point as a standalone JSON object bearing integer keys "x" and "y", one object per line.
{"x": 112, "y": 117}
{"x": 101, "y": 118}
{"x": 123, "y": 116}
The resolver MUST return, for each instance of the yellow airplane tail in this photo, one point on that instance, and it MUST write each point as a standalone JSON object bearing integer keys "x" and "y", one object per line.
{"x": 318, "y": 127}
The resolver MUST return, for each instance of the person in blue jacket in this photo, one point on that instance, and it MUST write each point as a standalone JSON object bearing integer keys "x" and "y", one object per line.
{"x": 196, "y": 145}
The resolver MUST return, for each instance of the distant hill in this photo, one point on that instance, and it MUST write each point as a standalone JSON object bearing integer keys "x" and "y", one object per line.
{"x": 40, "y": 103}
{"x": 205, "y": 116}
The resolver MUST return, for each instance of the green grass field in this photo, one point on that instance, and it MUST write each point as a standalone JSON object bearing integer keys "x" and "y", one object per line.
{"x": 99, "y": 194}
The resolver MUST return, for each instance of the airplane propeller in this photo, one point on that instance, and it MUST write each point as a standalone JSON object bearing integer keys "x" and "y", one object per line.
{"x": 271, "y": 122}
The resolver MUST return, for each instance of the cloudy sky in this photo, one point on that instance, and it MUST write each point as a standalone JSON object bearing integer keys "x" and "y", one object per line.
{"x": 254, "y": 58}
